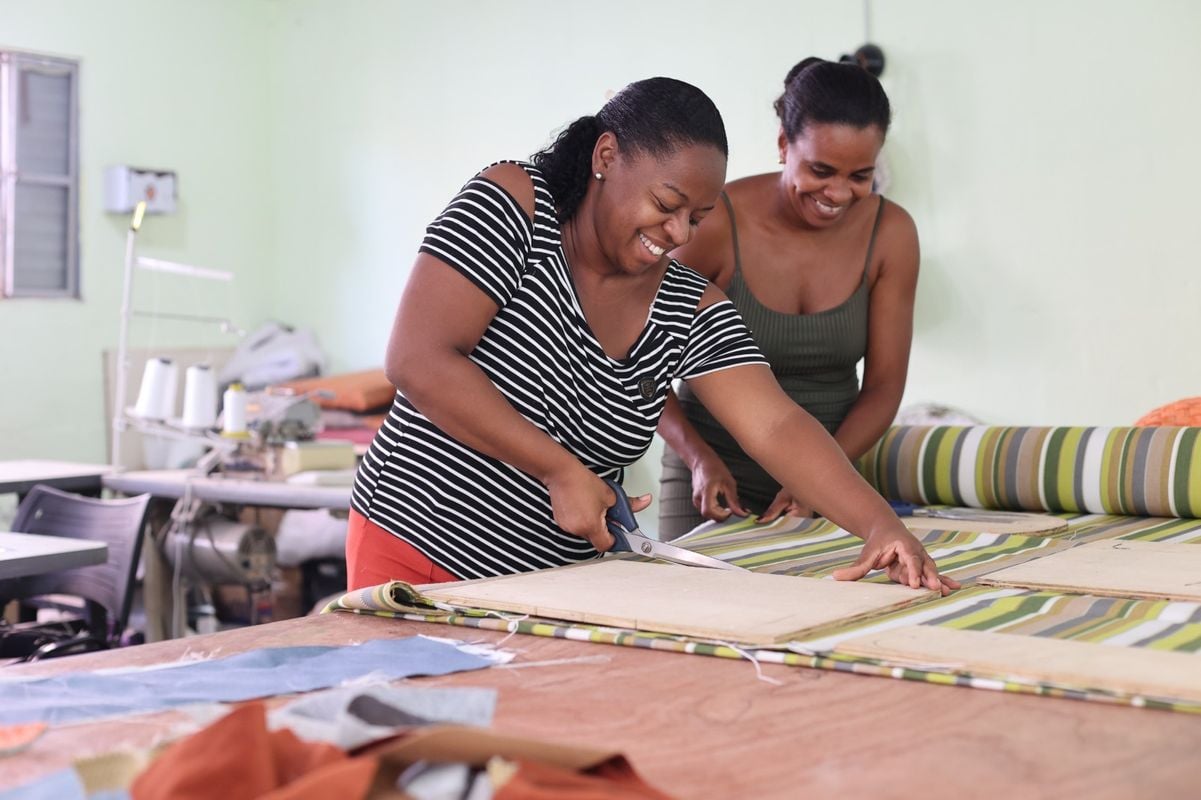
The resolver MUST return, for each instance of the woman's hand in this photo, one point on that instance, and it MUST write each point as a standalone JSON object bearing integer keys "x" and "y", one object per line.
{"x": 714, "y": 490}
{"x": 580, "y": 501}
{"x": 785, "y": 503}
{"x": 902, "y": 555}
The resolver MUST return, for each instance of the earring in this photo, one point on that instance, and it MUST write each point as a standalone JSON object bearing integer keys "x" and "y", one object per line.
{"x": 599, "y": 176}
{"x": 781, "y": 158}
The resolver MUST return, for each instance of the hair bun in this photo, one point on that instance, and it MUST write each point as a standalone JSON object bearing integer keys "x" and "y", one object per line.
{"x": 817, "y": 90}
{"x": 800, "y": 67}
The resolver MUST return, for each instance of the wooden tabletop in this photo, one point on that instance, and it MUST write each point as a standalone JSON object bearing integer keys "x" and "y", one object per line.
{"x": 698, "y": 726}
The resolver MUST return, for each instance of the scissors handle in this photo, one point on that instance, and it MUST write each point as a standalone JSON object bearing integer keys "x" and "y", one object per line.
{"x": 902, "y": 509}
{"x": 619, "y": 519}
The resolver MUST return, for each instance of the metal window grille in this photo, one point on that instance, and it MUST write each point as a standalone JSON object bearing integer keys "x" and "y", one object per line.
{"x": 39, "y": 176}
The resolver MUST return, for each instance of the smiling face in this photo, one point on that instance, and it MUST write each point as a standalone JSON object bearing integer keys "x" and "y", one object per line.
{"x": 827, "y": 169}
{"x": 647, "y": 205}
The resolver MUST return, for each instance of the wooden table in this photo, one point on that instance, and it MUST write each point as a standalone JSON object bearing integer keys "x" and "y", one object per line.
{"x": 24, "y": 554}
{"x": 698, "y": 726}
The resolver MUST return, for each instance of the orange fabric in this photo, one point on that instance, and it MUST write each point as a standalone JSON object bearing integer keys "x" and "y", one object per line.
{"x": 294, "y": 757}
{"x": 15, "y": 738}
{"x": 613, "y": 780}
{"x": 1186, "y": 412}
{"x": 352, "y": 391}
{"x": 350, "y": 779}
{"x": 237, "y": 758}
{"x": 374, "y": 556}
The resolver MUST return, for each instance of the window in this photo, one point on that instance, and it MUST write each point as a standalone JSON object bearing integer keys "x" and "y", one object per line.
{"x": 39, "y": 176}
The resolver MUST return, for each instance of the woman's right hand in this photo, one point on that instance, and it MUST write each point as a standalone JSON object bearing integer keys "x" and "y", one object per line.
{"x": 714, "y": 490}
{"x": 580, "y": 500}
{"x": 785, "y": 503}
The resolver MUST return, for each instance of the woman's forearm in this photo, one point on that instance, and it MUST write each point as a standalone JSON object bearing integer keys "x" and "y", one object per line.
{"x": 793, "y": 447}
{"x": 815, "y": 470}
{"x": 867, "y": 421}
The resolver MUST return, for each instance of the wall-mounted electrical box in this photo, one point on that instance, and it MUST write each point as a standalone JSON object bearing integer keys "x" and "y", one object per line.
{"x": 124, "y": 186}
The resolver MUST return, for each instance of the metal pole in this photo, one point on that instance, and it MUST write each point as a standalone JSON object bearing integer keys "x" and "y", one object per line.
{"x": 123, "y": 337}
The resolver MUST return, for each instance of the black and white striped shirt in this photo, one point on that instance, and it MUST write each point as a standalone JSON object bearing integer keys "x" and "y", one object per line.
{"x": 476, "y": 516}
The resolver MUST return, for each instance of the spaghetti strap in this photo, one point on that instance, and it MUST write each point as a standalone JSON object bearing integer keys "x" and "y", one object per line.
{"x": 871, "y": 243}
{"x": 725, "y": 198}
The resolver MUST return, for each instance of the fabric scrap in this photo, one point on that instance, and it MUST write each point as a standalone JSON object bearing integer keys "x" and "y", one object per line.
{"x": 237, "y": 758}
{"x": 257, "y": 673}
{"x": 61, "y": 785}
{"x": 352, "y": 716}
{"x": 614, "y": 779}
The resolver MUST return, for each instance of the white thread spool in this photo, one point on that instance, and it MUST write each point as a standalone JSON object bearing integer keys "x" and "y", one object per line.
{"x": 156, "y": 397}
{"x": 199, "y": 398}
{"x": 234, "y": 415}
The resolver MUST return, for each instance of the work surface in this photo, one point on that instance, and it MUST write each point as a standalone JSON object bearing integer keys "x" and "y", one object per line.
{"x": 698, "y": 726}
{"x": 21, "y": 476}
{"x": 24, "y": 554}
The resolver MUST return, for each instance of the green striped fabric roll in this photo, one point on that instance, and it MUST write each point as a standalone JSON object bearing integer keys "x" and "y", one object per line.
{"x": 1132, "y": 471}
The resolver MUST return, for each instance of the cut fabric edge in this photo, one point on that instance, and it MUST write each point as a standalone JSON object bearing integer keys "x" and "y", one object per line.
{"x": 796, "y": 654}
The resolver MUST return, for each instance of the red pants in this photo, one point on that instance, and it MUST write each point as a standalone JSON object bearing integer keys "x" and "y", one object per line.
{"x": 374, "y": 556}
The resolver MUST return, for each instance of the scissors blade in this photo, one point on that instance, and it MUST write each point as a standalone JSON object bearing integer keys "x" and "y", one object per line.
{"x": 968, "y": 515}
{"x": 903, "y": 509}
{"x": 677, "y": 555}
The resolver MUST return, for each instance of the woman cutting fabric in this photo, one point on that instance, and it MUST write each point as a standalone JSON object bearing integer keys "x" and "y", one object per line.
{"x": 536, "y": 340}
{"x": 823, "y": 272}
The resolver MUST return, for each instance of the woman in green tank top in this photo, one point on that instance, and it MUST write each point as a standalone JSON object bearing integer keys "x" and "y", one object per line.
{"x": 824, "y": 273}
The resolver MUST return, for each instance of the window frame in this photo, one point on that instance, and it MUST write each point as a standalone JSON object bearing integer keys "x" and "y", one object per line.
{"x": 12, "y": 63}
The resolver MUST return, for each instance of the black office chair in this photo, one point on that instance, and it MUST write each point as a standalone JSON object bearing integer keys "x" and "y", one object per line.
{"x": 107, "y": 589}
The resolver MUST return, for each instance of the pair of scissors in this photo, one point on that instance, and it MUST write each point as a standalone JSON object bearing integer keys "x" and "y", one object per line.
{"x": 627, "y": 538}
{"x": 902, "y": 509}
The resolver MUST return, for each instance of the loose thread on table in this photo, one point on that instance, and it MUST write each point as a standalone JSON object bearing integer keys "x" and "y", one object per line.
{"x": 755, "y": 661}
{"x": 557, "y": 661}
{"x": 512, "y": 622}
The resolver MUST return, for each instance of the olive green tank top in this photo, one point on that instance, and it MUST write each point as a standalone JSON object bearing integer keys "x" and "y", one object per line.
{"x": 813, "y": 356}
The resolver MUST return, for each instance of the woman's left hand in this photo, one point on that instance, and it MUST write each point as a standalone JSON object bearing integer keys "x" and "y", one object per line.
{"x": 902, "y": 555}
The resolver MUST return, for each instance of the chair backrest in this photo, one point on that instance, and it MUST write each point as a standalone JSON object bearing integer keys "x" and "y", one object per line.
{"x": 117, "y": 523}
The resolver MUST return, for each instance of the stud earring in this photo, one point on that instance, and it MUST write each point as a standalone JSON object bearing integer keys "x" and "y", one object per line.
{"x": 781, "y": 159}
{"x": 599, "y": 176}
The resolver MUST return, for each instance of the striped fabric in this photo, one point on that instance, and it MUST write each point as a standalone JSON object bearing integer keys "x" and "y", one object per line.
{"x": 476, "y": 516}
{"x": 816, "y": 549}
{"x": 1083, "y": 475}
{"x": 1102, "y": 621}
{"x": 1135, "y": 471}
{"x": 1154, "y": 624}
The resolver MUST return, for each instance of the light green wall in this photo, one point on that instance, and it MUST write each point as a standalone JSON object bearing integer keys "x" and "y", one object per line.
{"x": 1047, "y": 150}
{"x": 167, "y": 84}
{"x": 383, "y": 109}
{"x": 1044, "y": 147}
